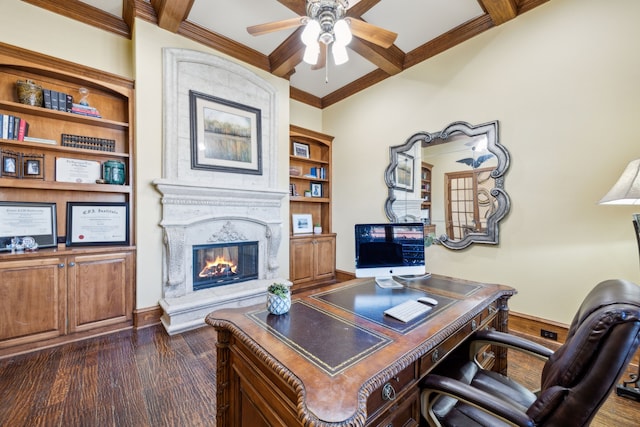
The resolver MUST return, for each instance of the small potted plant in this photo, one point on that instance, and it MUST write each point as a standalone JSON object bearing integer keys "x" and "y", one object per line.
{"x": 317, "y": 228}
{"x": 278, "y": 298}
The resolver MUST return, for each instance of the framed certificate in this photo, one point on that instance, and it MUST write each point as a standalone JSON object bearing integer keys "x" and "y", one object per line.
{"x": 97, "y": 224}
{"x": 28, "y": 219}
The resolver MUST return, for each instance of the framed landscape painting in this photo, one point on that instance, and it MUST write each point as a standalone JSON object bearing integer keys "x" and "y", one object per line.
{"x": 225, "y": 135}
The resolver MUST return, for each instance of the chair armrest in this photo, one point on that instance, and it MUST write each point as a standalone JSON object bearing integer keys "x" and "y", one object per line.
{"x": 478, "y": 398}
{"x": 482, "y": 338}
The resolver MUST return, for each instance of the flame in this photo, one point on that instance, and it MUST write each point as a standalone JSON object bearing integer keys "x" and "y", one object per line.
{"x": 218, "y": 267}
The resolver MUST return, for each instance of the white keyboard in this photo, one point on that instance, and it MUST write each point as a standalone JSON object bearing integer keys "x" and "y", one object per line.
{"x": 407, "y": 310}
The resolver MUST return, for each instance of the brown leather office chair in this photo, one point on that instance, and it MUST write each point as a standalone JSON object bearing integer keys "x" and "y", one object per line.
{"x": 576, "y": 378}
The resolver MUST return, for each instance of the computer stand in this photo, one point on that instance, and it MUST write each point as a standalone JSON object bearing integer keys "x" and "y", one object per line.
{"x": 387, "y": 282}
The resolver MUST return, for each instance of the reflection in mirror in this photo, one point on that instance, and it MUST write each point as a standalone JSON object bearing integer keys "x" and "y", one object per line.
{"x": 452, "y": 181}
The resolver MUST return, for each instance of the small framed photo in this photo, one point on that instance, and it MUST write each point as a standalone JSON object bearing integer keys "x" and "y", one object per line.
{"x": 32, "y": 168}
{"x": 301, "y": 150}
{"x": 302, "y": 223}
{"x": 316, "y": 189}
{"x": 404, "y": 173}
{"x": 10, "y": 167}
{"x": 96, "y": 224}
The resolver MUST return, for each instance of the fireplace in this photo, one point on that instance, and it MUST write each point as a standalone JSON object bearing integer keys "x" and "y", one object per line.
{"x": 224, "y": 263}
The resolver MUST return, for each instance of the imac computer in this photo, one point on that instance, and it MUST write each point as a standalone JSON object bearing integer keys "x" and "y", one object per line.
{"x": 387, "y": 250}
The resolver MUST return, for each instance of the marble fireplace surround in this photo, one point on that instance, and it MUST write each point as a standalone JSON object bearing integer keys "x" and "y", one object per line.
{"x": 208, "y": 206}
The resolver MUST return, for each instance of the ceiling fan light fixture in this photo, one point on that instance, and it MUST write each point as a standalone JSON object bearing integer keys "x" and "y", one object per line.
{"x": 342, "y": 32}
{"x": 339, "y": 52}
{"x": 311, "y": 53}
{"x": 310, "y": 33}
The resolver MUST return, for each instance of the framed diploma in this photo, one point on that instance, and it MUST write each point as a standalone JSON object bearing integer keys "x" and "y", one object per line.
{"x": 96, "y": 224}
{"x": 28, "y": 219}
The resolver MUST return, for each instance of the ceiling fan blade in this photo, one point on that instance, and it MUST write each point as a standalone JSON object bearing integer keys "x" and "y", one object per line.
{"x": 322, "y": 58}
{"x": 270, "y": 27}
{"x": 372, "y": 33}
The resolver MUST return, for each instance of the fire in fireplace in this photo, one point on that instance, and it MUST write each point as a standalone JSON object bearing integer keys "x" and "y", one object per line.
{"x": 221, "y": 264}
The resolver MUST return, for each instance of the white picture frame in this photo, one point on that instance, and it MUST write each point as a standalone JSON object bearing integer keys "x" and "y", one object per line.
{"x": 301, "y": 223}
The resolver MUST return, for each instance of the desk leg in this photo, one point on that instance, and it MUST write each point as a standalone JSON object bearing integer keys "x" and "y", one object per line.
{"x": 222, "y": 378}
{"x": 502, "y": 325}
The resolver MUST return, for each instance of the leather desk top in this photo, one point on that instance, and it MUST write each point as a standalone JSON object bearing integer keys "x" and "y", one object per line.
{"x": 338, "y": 344}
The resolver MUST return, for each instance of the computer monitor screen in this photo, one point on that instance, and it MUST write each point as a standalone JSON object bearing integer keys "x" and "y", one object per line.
{"x": 386, "y": 250}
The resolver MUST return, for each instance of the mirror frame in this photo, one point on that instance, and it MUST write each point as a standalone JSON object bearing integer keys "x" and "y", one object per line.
{"x": 490, "y": 129}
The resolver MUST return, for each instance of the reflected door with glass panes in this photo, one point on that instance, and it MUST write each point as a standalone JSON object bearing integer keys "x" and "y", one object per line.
{"x": 464, "y": 212}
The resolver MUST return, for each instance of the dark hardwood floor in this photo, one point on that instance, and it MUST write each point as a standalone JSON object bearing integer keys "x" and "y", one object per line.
{"x": 147, "y": 378}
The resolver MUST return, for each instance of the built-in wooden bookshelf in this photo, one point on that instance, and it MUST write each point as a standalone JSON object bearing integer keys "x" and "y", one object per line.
{"x": 312, "y": 255}
{"x": 58, "y": 293}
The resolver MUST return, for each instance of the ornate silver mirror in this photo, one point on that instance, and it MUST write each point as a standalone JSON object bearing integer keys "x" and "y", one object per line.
{"x": 452, "y": 181}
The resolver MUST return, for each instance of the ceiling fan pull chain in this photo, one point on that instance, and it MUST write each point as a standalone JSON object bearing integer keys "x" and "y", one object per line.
{"x": 326, "y": 67}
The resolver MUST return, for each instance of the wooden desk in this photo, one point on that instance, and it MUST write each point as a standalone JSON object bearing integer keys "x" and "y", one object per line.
{"x": 336, "y": 360}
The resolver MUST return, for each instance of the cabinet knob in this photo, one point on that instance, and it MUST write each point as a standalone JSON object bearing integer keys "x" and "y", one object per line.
{"x": 72, "y": 264}
{"x": 388, "y": 392}
{"x": 61, "y": 265}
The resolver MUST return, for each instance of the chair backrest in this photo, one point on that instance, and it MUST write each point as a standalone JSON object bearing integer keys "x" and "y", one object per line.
{"x": 602, "y": 338}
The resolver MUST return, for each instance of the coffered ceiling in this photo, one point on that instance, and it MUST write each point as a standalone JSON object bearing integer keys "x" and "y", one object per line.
{"x": 424, "y": 27}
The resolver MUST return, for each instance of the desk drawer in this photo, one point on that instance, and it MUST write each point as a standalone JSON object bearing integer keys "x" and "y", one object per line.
{"x": 391, "y": 390}
{"x": 433, "y": 357}
{"x": 404, "y": 413}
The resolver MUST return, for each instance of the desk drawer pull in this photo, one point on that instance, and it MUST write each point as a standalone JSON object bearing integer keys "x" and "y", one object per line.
{"x": 435, "y": 356}
{"x": 388, "y": 392}
{"x": 474, "y": 325}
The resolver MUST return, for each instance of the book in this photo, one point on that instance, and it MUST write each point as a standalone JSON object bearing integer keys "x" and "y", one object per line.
{"x": 23, "y": 130}
{"x": 16, "y": 125}
{"x": 10, "y": 125}
{"x": 1, "y": 124}
{"x": 54, "y": 99}
{"x": 40, "y": 140}
{"x": 46, "y": 95}
{"x": 62, "y": 101}
{"x": 69, "y": 102}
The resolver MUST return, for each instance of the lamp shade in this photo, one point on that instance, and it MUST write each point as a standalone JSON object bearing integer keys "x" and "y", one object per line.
{"x": 626, "y": 190}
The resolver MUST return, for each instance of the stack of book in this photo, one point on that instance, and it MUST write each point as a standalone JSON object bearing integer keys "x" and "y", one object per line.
{"x": 55, "y": 100}
{"x": 84, "y": 110}
{"x": 13, "y": 127}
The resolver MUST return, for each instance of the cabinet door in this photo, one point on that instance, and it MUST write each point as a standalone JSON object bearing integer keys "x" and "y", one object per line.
{"x": 301, "y": 259}
{"x": 325, "y": 258}
{"x": 32, "y": 300}
{"x": 100, "y": 290}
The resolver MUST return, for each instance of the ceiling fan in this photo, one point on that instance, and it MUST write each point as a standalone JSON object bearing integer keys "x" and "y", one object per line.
{"x": 327, "y": 24}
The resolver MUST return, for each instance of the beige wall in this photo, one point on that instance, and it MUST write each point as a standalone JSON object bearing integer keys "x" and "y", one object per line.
{"x": 563, "y": 82}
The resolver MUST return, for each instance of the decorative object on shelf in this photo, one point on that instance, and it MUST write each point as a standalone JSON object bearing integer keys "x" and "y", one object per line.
{"x": 225, "y": 135}
{"x": 626, "y": 191}
{"x": 301, "y": 150}
{"x": 113, "y": 172}
{"x": 295, "y": 171}
{"x": 301, "y": 223}
{"x": 87, "y": 142}
{"x": 316, "y": 189}
{"x": 97, "y": 224}
{"x": 307, "y": 193}
{"x": 278, "y": 298}
{"x": 10, "y": 167}
{"x": 84, "y": 95}
{"x": 19, "y": 219}
{"x": 78, "y": 171}
{"x": 32, "y": 166}
{"x": 317, "y": 229}
{"x": 29, "y": 93}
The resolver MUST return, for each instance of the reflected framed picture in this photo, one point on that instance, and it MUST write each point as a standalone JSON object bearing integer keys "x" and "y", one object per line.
{"x": 97, "y": 224}
{"x": 32, "y": 219}
{"x": 225, "y": 135}
{"x": 301, "y": 223}
{"x": 404, "y": 173}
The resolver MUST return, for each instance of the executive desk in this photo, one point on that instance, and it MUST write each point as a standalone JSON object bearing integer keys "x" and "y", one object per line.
{"x": 336, "y": 360}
